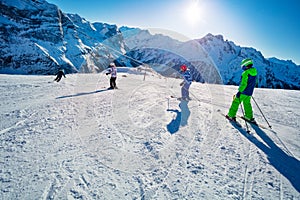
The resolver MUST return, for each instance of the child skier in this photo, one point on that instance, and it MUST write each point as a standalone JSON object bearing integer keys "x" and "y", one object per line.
{"x": 113, "y": 72}
{"x": 245, "y": 91}
{"x": 186, "y": 74}
{"x": 59, "y": 75}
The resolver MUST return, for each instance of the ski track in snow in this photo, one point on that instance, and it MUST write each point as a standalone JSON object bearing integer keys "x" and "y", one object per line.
{"x": 77, "y": 140}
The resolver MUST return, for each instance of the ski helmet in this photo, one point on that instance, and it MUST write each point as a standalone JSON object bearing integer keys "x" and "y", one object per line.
{"x": 183, "y": 68}
{"x": 246, "y": 62}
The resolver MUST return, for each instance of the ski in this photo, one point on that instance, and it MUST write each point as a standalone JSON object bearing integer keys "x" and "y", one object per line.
{"x": 233, "y": 122}
{"x": 174, "y": 97}
{"x": 253, "y": 123}
{"x": 236, "y": 124}
{"x": 180, "y": 98}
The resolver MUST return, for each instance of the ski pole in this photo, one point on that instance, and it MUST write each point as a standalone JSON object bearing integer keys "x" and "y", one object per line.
{"x": 261, "y": 112}
{"x": 247, "y": 128}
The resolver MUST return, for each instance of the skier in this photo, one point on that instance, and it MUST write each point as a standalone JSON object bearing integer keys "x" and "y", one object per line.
{"x": 186, "y": 74}
{"x": 113, "y": 72}
{"x": 245, "y": 91}
{"x": 59, "y": 74}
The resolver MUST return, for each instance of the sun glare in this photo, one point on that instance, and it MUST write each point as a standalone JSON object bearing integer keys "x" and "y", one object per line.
{"x": 193, "y": 12}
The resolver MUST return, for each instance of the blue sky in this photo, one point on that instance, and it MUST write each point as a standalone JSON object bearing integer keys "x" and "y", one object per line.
{"x": 270, "y": 26}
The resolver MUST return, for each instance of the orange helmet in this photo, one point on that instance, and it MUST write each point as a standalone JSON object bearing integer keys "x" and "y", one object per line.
{"x": 183, "y": 68}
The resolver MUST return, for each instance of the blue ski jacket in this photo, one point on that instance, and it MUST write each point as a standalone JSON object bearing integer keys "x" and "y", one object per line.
{"x": 248, "y": 81}
{"x": 187, "y": 76}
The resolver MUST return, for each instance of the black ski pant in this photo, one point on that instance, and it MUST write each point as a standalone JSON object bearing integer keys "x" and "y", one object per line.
{"x": 58, "y": 78}
{"x": 113, "y": 82}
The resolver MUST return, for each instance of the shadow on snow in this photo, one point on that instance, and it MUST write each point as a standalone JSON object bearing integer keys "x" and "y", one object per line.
{"x": 81, "y": 94}
{"x": 285, "y": 164}
{"x": 181, "y": 118}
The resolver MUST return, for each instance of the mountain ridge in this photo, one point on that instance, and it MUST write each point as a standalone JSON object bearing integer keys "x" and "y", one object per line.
{"x": 38, "y": 38}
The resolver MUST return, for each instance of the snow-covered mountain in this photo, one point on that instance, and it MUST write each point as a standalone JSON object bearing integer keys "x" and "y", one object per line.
{"x": 38, "y": 38}
{"x": 166, "y": 55}
{"x": 273, "y": 73}
{"x": 216, "y": 60}
{"x": 77, "y": 140}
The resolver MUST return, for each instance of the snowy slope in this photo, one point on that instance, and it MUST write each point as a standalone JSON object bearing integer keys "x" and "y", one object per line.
{"x": 76, "y": 140}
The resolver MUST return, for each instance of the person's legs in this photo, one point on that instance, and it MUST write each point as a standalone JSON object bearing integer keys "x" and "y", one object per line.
{"x": 248, "y": 107}
{"x": 114, "y": 82}
{"x": 185, "y": 91}
{"x": 234, "y": 107}
{"x": 111, "y": 82}
{"x": 58, "y": 78}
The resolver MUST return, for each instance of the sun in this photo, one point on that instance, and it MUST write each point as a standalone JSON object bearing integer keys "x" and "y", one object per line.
{"x": 193, "y": 12}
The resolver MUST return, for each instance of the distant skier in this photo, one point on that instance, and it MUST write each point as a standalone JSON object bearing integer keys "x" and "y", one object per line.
{"x": 59, "y": 75}
{"x": 187, "y": 81}
{"x": 113, "y": 72}
{"x": 245, "y": 91}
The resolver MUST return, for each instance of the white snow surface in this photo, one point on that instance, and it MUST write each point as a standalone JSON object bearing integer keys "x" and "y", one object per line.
{"x": 77, "y": 140}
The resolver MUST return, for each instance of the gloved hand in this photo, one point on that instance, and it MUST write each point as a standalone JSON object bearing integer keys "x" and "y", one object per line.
{"x": 181, "y": 84}
{"x": 238, "y": 94}
{"x": 107, "y": 73}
